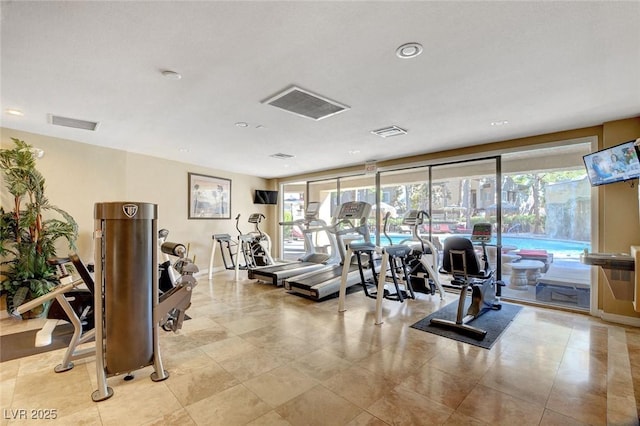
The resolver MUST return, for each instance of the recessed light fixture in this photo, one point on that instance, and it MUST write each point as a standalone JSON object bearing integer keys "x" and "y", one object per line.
{"x": 171, "y": 75}
{"x": 242, "y": 124}
{"x": 499, "y": 123}
{"x": 282, "y": 156}
{"x": 409, "y": 50}
{"x": 184, "y": 150}
{"x": 13, "y": 111}
{"x": 354, "y": 151}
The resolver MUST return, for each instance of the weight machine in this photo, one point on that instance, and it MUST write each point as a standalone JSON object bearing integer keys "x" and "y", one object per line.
{"x": 128, "y": 306}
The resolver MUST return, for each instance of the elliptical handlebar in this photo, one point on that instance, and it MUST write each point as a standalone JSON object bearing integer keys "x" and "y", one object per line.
{"x": 384, "y": 227}
{"x": 238, "y": 224}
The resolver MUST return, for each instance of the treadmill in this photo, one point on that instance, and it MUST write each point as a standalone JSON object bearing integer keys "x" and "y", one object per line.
{"x": 312, "y": 260}
{"x": 326, "y": 281}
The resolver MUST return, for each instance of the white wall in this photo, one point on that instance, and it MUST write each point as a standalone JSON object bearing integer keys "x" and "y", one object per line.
{"x": 79, "y": 175}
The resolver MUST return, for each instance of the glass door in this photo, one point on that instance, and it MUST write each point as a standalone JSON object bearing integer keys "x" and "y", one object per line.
{"x": 462, "y": 195}
{"x": 293, "y": 204}
{"x": 361, "y": 188}
{"x": 546, "y": 216}
{"x": 401, "y": 191}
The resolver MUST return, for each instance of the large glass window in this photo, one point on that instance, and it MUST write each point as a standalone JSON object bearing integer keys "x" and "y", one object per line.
{"x": 538, "y": 202}
{"x": 463, "y": 194}
{"x": 546, "y": 221}
{"x": 325, "y": 192}
{"x": 293, "y": 204}
{"x": 404, "y": 190}
{"x": 361, "y": 188}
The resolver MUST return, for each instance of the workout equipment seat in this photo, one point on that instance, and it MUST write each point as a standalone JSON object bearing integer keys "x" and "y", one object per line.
{"x": 461, "y": 261}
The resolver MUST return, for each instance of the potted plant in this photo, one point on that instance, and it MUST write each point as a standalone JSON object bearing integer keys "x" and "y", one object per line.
{"x": 27, "y": 238}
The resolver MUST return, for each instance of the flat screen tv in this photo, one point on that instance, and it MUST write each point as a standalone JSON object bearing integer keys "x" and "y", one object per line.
{"x": 615, "y": 164}
{"x": 263, "y": 196}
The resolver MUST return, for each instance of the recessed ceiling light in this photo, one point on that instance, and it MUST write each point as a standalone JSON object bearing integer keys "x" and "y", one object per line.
{"x": 184, "y": 149}
{"x": 12, "y": 111}
{"x": 354, "y": 151}
{"x": 409, "y": 50}
{"x": 171, "y": 75}
{"x": 242, "y": 124}
{"x": 282, "y": 156}
{"x": 499, "y": 123}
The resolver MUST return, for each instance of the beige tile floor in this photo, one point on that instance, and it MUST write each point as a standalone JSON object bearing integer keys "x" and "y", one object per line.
{"x": 255, "y": 355}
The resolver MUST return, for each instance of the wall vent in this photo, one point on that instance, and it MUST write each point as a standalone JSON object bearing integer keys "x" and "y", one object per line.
{"x": 281, "y": 156}
{"x": 73, "y": 122}
{"x": 387, "y": 132}
{"x": 306, "y": 104}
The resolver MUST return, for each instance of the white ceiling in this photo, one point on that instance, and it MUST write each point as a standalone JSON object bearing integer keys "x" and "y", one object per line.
{"x": 543, "y": 66}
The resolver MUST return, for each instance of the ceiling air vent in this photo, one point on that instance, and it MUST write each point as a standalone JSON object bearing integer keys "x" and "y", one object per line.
{"x": 281, "y": 156}
{"x": 306, "y": 104}
{"x": 389, "y": 131}
{"x": 73, "y": 122}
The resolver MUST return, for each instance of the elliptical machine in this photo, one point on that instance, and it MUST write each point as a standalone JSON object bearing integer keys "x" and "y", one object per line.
{"x": 256, "y": 245}
{"x": 412, "y": 263}
{"x": 396, "y": 272}
{"x": 424, "y": 259}
{"x": 461, "y": 261}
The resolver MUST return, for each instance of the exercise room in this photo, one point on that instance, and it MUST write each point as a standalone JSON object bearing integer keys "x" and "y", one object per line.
{"x": 320, "y": 213}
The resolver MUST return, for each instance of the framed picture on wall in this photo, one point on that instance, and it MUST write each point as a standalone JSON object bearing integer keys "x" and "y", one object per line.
{"x": 209, "y": 197}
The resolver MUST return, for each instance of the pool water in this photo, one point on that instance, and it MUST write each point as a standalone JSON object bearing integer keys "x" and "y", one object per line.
{"x": 559, "y": 248}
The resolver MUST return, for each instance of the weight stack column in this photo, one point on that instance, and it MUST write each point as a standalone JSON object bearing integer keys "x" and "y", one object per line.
{"x": 126, "y": 277}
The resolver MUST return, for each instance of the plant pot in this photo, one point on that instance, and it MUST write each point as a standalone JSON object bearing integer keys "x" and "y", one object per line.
{"x": 37, "y": 312}
{"x": 3, "y": 307}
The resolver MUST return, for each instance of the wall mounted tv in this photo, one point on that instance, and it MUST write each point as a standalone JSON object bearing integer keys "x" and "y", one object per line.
{"x": 263, "y": 196}
{"x": 615, "y": 164}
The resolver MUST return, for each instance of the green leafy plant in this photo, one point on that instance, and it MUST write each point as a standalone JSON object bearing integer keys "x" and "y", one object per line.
{"x": 27, "y": 238}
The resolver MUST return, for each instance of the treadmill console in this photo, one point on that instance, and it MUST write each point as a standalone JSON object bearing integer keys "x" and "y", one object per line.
{"x": 414, "y": 217}
{"x": 354, "y": 210}
{"x": 312, "y": 210}
{"x": 481, "y": 233}
{"x": 255, "y": 218}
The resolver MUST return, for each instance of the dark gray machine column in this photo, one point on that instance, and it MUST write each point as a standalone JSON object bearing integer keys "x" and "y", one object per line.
{"x": 126, "y": 291}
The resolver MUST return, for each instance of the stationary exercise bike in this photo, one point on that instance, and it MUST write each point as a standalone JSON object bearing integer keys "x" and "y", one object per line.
{"x": 461, "y": 261}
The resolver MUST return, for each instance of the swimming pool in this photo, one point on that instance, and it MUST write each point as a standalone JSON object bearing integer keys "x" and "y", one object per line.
{"x": 559, "y": 248}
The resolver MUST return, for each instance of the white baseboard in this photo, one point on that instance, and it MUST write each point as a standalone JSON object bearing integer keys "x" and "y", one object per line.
{"x": 202, "y": 273}
{"x": 619, "y": 319}
{"x": 205, "y": 272}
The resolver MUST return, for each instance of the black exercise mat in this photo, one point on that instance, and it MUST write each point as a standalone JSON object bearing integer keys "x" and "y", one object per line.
{"x": 19, "y": 345}
{"x": 494, "y": 322}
